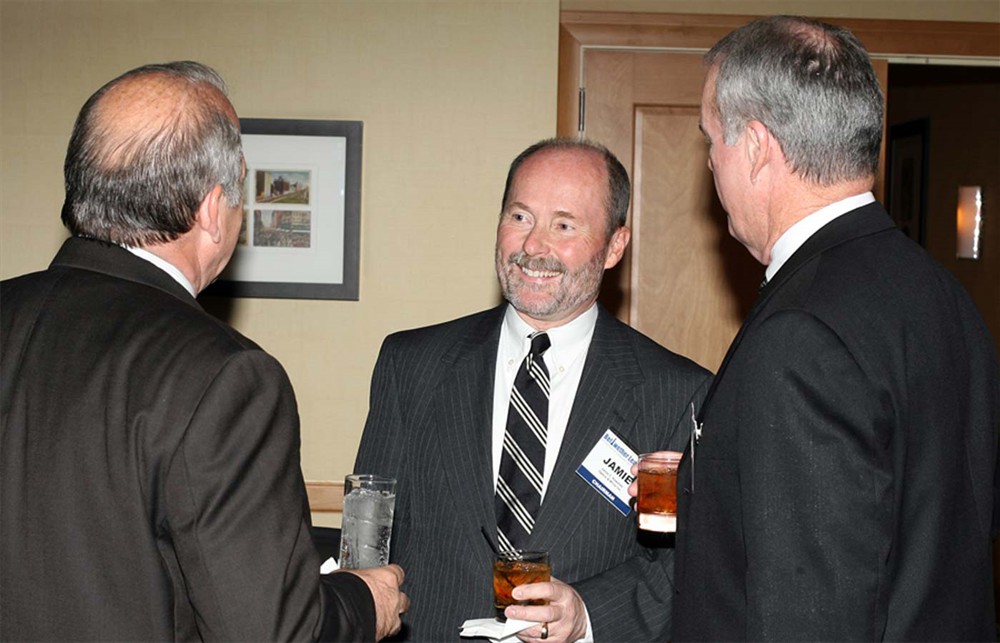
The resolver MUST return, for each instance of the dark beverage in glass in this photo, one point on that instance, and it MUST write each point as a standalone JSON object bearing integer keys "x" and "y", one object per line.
{"x": 657, "y": 499}
{"x": 514, "y": 568}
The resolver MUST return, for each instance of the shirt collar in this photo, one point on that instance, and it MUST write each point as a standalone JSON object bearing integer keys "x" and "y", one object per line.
{"x": 565, "y": 338}
{"x": 165, "y": 266}
{"x": 795, "y": 236}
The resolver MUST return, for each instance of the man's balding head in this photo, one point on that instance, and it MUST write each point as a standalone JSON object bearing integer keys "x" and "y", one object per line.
{"x": 146, "y": 149}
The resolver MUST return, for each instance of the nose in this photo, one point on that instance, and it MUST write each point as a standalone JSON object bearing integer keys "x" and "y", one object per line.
{"x": 536, "y": 241}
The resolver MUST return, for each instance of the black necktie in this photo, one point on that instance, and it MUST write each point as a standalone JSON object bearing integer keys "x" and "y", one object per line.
{"x": 519, "y": 486}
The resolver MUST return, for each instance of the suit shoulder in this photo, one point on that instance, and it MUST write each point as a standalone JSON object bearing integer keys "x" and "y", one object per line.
{"x": 91, "y": 302}
{"x": 438, "y": 337}
{"x": 886, "y": 274}
{"x": 654, "y": 357}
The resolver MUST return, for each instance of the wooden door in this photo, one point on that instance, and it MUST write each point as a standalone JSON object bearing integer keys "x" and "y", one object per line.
{"x": 685, "y": 282}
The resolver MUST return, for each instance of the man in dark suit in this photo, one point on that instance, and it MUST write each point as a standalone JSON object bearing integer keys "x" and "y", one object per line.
{"x": 151, "y": 488}
{"x": 440, "y": 412}
{"x": 840, "y": 485}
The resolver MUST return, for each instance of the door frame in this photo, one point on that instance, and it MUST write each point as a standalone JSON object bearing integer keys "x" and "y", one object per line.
{"x": 942, "y": 42}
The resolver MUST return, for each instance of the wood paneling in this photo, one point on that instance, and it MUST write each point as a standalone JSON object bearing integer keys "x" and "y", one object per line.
{"x": 325, "y": 496}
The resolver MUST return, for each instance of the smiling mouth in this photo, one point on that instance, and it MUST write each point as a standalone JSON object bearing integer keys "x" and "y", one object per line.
{"x": 539, "y": 274}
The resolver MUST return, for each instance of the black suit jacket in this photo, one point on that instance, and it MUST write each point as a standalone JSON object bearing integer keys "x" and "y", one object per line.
{"x": 151, "y": 487}
{"x": 843, "y": 485}
{"x": 430, "y": 426}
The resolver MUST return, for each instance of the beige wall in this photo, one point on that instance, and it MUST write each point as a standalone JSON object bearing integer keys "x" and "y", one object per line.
{"x": 449, "y": 92}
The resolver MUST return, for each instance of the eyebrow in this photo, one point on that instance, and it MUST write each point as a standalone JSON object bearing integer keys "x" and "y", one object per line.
{"x": 521, "y": 206}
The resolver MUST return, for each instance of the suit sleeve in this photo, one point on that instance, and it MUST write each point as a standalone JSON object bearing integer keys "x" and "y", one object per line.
{"x": 382, "y": 447}
{"x": 236, "y": 517}
{"x": 633, "y": 601}
{"x": 815, "y": 485}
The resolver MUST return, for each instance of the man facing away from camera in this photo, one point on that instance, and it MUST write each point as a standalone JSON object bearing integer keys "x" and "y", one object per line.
{"x": 455, "y": 417}
{"x": 151, "y": 487}
{"x": 840, "y": 481}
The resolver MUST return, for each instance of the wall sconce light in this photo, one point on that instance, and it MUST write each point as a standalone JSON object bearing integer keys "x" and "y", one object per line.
{"x": 968, "y": 222}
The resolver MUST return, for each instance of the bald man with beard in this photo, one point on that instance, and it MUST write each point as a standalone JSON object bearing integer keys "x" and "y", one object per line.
{"x": 151, "y": 487}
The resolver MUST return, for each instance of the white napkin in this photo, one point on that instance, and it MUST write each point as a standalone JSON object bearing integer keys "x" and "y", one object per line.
{"x": 494, "y": 629}
{"x": 329, "y": 565}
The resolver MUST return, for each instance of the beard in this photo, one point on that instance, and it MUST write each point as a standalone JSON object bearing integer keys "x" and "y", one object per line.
{"x": 553, "y": 300}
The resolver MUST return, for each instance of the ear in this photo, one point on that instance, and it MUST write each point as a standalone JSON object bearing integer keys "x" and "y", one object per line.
{"x": 616, "y": 247}
{"x": 207, "y": 218}
{"x": 759, "y": 147}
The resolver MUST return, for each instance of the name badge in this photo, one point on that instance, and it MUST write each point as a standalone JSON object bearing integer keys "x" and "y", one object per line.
{"x": 608, "y": 469}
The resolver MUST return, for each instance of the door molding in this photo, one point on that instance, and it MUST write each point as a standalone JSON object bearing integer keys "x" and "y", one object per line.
{"x": 955, "y": 43}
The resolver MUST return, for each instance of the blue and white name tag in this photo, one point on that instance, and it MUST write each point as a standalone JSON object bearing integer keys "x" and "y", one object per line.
{"x": 608, "y": 469}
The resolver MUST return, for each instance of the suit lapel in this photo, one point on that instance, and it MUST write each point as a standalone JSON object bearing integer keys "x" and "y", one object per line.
{"x": 464, "y": 404}
{"x": 864, "y": 221}
{"x": 604, "y": 400}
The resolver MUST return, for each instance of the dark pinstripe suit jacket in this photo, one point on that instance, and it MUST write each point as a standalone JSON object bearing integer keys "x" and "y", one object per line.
{"x": 430, "y": 424}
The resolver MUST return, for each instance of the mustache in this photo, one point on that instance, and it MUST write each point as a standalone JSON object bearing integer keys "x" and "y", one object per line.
{"x": 550, "y": 264}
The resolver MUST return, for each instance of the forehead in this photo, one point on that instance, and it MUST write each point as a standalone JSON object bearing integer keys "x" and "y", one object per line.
{"x": 709, "y": 122}
{"x": 708, "y": 90}
{"x": 566, "y": 166}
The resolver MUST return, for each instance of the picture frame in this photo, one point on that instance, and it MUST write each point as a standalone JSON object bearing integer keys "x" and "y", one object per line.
{"x": 301, "y": 213}
{"x": 906, "y": 184}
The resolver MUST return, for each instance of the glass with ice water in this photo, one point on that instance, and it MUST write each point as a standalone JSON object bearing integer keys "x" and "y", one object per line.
{"x": 369, "y": 501}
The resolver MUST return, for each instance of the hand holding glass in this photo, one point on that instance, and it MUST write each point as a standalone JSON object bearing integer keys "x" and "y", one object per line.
{"x": 513, "y": 568}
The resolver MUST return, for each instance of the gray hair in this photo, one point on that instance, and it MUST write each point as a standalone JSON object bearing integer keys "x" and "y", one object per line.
{"x": 619, "y": 187}
{"x": 812, "y": 85}
{"x": 143, "y": 186}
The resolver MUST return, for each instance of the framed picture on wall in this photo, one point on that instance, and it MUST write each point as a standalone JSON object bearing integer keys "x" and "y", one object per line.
{"x": 301, "y": 213}
{"x": 906, "y": 194}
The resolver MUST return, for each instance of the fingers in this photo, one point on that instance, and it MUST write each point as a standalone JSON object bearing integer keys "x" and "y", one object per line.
{"x": 396, "y": 571}
{"x": 633, "y": 489}
{"x": 541, "y": 632}
{"x": 400, "y": 576}
{"x": 554, "y": 591}
{"x": 390, "y": 602}
{"x": 564, "y": 618}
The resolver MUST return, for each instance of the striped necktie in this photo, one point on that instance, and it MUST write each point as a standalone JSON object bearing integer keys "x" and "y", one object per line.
{"x": 519, "y": 486}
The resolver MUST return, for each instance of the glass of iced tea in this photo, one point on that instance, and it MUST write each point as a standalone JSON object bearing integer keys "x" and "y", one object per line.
{"x": 513, "y": 568}
{"x": 657, "y": 499}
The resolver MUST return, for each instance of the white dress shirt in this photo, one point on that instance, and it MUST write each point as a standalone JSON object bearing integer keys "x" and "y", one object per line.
{"x": 165, "y": 266}
{"x": 794, "y": 237}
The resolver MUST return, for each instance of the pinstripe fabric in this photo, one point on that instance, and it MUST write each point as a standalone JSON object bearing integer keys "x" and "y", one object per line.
{"x": 519, "y": 486}
{"x": 429, "y": 425}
